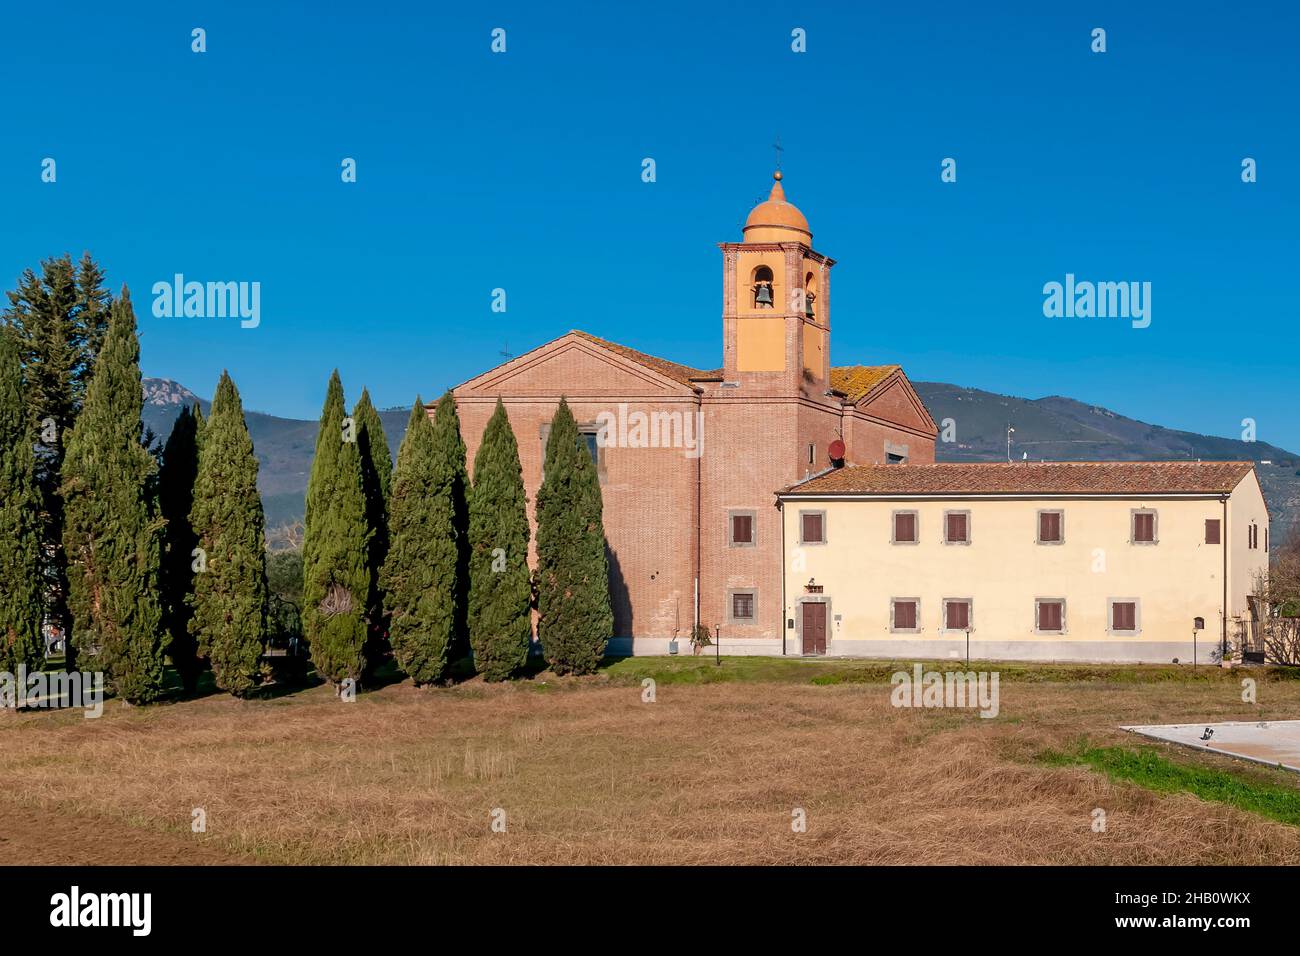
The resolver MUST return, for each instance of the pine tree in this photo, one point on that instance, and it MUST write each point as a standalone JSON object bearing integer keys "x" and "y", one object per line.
{"x": 500, "y": 597}
{"x": 112, "y": 533}
{"x": 575, "y": 619}
{"x": 336, "y": 584}
{"x": 230, "y": 596}
{"x": 376, "y": 479}
{"x": 20, "y": 558}
{"x": 419, "y": 575}
{"x": 59, "y": 319}
{"x": 176, "y": 478}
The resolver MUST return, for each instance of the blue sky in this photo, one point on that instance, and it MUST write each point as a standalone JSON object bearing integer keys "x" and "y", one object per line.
{"x": 522, "y": 171}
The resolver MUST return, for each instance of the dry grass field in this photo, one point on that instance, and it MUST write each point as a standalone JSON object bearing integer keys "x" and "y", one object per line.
{"x": 585, "y": 772}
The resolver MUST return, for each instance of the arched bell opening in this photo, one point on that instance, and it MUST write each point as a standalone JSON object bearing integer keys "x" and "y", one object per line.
{"x": 764, "y": 296}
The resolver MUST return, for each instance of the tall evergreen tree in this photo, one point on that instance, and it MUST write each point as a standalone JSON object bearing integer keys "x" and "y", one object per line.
{"x": 500, "y": 596}
{"x": 336, "y": 584}
{"x": 575, "y": 619}
{"x": 176, "y": 478}
{"x": 376, "y": 479}
{"x": 419, "y": 574}
{"x": 112, "y": 533}
{"x": 60, "y": 319}
{"x": 230, "y": 596}
{"x": 449, "y": 454}
{"x": 20, "y": 558}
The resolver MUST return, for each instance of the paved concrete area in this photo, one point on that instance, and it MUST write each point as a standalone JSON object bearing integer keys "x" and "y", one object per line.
{"x": 1273, "y": 742}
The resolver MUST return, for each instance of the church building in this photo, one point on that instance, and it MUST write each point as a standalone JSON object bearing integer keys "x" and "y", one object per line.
{"x": 690, "y": 460}
{"x": 793, "y": 506}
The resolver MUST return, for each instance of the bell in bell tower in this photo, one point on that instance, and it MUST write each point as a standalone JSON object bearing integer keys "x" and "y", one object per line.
{"x": 776, "y": 303}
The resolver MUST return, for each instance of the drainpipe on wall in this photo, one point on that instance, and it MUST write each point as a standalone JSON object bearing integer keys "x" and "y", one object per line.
{"x": 699, "y": 517}
{"x": 1223, "y": 639}
{"x": 780, "y": 511}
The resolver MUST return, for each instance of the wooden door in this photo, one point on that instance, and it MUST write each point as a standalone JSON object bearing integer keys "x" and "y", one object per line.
{"x": 814, "y": 627}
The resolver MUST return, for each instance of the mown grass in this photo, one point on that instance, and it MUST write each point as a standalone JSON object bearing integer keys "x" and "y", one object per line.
{"x": 1145, "y": 767}
{"x": 823, "y": 672}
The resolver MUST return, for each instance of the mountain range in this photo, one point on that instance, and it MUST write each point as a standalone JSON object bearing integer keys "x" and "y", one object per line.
{"x": 1052, "y": 428}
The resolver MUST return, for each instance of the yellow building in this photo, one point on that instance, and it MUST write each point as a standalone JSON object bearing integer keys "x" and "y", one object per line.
{"x": 1089, "y": 561}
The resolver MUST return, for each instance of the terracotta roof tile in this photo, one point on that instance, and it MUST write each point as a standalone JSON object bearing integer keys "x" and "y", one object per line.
{"x": 1031, "y": 477}
{"x": 678, "y": 373}
{"x": 855, "y": 381}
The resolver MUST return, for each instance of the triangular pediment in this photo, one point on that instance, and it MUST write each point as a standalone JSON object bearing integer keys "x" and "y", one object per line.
{"x": 575, "y": 366}
{"x": 895, "y": 401}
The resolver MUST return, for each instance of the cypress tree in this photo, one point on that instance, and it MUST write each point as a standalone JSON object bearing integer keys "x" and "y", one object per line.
{"x": 575, "y": 618}
{"x": 336, "y": 584}
{"x": 500, "y": 596}
{"x": 176, "y": 478}
{"x": 419, "y": 574}
{"x": 230, "y": 596}
{"x": 112, "y": 533}
{"x": 59, "y": 318}
{"x": 20, "y": 557}
{"x": 376, "y": 478}
{"x": 453, "y": 476}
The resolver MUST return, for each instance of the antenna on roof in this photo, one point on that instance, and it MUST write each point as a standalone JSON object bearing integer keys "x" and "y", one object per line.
{"x": 1010, "y": 431}
{"x": 505, "y": 352}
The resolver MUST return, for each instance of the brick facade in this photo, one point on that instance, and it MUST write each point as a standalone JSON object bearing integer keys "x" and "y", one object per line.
{"x": 666, "y": 509}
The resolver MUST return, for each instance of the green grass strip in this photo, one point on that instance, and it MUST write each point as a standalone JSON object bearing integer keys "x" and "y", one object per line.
{"x": 1146, "y": 768}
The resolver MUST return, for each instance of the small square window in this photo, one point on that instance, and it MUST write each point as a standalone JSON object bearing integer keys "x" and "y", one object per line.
{"x": 904, "y": 615}
{"x": 956, "y": 527}
{"x": 957, "y": 614}
{"x": 1212, "y": 531}
{"x": 1124, "y": 617}
{"x": 812, "y": 527}
{"x": 1051, "y": 527}
{"x": 742, "y": 606}
{"x": 1144, "y": 527}
{"x": 740, "y": 528}
{"x": 1049, "y": 616}
{"x": 904, "y": 531}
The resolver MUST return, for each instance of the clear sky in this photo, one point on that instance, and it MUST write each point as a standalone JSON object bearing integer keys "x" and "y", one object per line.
{"x": 522, "y": 171}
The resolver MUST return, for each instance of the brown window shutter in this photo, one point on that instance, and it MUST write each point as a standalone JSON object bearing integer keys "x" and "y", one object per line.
{"x": 905, "y": 614}
{"x": 1211, "y": 530}
{"x": 905, "y": 527}
{"x": 742, "y": 529}
{"x": 812, "y": 529}
{"x": 1049, "y": 616}
{"x": 1124, "y": 616}
{"x": 1144, "y": 527}
{"x": 956, "y": 528}
{"x": 958, "y": 614}
{"x": 1049, "y": 526}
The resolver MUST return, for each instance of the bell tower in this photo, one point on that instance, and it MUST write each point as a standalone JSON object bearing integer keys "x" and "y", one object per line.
{"x": 776, "y": 303}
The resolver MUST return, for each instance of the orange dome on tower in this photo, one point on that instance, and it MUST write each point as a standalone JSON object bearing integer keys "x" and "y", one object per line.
{"x": 776, "y": 220}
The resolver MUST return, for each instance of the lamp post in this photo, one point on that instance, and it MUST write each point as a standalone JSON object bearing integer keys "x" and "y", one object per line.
{"x": 717, "y": 645}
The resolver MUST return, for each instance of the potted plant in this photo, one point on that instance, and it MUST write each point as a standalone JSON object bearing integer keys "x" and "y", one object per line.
{"x": 700, "y": 638}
